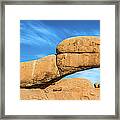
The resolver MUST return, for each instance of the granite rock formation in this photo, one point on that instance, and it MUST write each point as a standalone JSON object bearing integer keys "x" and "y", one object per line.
{"x": 72, "y": 62}
{"x": 73, "y": 54}
{"x": 65, "y": 89}
{"x": 26, "y": 69}
{"x": 38, "y": 71}
{"x": 78, "y": 53}
{"x": 81, "y": 44}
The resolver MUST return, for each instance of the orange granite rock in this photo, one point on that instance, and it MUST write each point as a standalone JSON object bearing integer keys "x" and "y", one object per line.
{"x": 78, "y": 53}
{"x": 26, "y": 69}
{"x": 73, "y": 54}
{"x": 46, "y": 69}
{"x": 72, "y": 62}
{"x": 65, "y": 89}
{"x": 80, "y": 44}
{"x": 38, "y": 71}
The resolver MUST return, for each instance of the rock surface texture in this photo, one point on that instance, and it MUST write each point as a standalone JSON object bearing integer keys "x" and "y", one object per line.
{"x": 73, "y": 54}
{"x": 78, "y": 53}
{"x": 82, "y": 44}
{"x": 65, "y": 89}
{"x": 39, "y": 71}
{"x": 72, "y": 62}
{"x": 26, "y": 72}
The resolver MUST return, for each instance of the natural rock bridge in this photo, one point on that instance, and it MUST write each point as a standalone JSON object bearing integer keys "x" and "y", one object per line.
{"x": 73, "y": 54}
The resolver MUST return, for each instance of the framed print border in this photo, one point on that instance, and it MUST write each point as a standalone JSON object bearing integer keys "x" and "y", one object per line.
{"x": 62, "y": 2}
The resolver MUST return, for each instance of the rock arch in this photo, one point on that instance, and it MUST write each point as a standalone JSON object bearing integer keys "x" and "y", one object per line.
{"x": 73, "y": 54}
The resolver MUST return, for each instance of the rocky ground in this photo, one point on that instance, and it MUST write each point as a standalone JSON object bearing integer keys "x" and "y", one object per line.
{"x": 66, "y": 89}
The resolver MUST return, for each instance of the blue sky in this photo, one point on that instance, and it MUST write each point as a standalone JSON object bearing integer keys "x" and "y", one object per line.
{"x": 91, "y": 74}
{"x": 39, "y": 38}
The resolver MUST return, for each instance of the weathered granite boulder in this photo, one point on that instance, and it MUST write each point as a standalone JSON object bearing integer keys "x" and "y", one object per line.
{"x": 73, "y": 54}
{"x": 71, "y": 62}
{"x": 65, "y": 89}
{"x": 78, "y": 53}
{"x": 80, "y": 44}
{"x": 26, "y": 70}
{"x": 46, "y": 69}
{"x": 38, "y": 71}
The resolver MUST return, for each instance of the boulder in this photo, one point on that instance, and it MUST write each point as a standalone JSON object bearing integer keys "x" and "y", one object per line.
{"x": 39, "y": 71}
{"x": 72, "y": 62}
{"x": 78, "y": 53}
{"x": 80, "y": 44}
{"x": 26, "y": 69}
{"x": 65, "y": 89}
{"x": 46, "y": 69}
{"x": 73, "y": 54}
